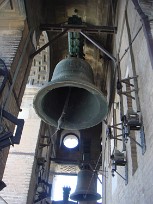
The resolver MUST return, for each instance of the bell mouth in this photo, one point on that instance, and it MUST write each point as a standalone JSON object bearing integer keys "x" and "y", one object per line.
{"x": 86, "y": 106}
{"x": 84, "y": 196}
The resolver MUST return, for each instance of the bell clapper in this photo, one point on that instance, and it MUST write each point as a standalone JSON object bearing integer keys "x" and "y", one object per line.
{"x": 60, "y": 120}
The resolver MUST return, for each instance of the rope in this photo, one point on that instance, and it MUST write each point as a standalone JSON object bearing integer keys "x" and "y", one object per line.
{"x": 60, "y": 120}
{"x": 94, "y": 171}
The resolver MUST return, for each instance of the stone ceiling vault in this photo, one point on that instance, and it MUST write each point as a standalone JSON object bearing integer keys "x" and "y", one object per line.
{"x": 92, "y": 13}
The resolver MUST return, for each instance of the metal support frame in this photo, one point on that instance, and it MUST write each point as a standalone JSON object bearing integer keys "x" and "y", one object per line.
{"x": 126, "y": 134}
{"x": 126, "y": 175}
{"x": 69, "y": 28}
{"x": 123, "y": 164}
{"x": 126, "y": 93}
{"x": 99, "y": 47}
{"x": 142, "y": 145}
{"x": 62, "y": 173}
{"x": 110, "y": 135}
{"x": 43, "y": 166}
{"x": 142, "y": 138}
{"x": 46, "y": 193}
{"x": 47, "y": 44}
{"x": 126, "y": 126}
{"x": 146, "y": 28}
{"x": 77, "y": 28}
{"x": 7, "y": 138}
{"x": 71, "y": 161}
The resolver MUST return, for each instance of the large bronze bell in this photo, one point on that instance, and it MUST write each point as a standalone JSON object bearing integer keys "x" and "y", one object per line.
{"x": 72, "y": 94}
{"x": 86, "y": 189}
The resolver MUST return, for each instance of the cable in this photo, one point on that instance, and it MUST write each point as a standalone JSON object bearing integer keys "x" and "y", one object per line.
{"x": 104, "y": 157}
{"x": 60, "y": 120}
{"x": 98, "y": 161}
{"x": 54, "y": 133}
{"x": 92, "y": 175}
{"x": 130, "y": 43}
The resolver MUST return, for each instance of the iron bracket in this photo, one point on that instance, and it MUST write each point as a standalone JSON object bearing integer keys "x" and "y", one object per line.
{"x": 142, "y": 137}
{"x": 7, "y": 138}
{"x": 78, "y": 28}
{"x": 47, "y": 44}
{"x": 47, "y": 190}
{"x": 124, "y": 80}
{"x": 114, "y": 170}
{"x": 101, "y": 48}
{"x": 126, "y": 93}
{"x": 109, "y": 132}
{"x": 126, "y": 175}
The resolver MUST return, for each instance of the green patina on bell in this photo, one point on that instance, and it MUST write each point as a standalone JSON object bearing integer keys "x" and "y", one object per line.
{"x": 71, "y": 89}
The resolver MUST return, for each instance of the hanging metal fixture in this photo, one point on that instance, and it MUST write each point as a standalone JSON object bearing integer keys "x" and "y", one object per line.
{"x": 71, "y": 100}
{"x": 86, "y": 189}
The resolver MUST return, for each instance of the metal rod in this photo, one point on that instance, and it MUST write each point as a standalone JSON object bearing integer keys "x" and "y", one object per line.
{"x": 3, "y": 199}
{"x": 119, "y": 135}
{"x": 132, "y": 57}
{"x": 135, "y": 141}
{"x": 125, "y": 92}
{"x": 128, "y": 83}
{"x": 127, "y": 95}
{"x": 116, "y": 128}
{"x": 146, "y": 29}
{"x": 120, "y": 175}
{"x": 121, "y": 104}
{"x": 99, "y": 47}
{"x": 69, "y": 161}
{"x": 99, "y": 180}
{"x": 47, "y": 44}
{"x": 133, "y": 77}
{"x": 114, "y": 138}
{"x": 78, "y": 28}
{"x": 116, "y": 125}
{"x": 63, "y": 174}
{"x": 94, "y": 172}
{"x": 130, "y": 44}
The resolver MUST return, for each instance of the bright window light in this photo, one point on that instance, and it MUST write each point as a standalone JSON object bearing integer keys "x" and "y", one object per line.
{"x": 70, "y": 181}
{"x": 59, "y": 182}
{"x": 70, "y": 141}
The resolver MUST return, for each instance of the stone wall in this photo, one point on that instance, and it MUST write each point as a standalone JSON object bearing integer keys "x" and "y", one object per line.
{"x": 21, "y": 158}
{"x": 21, "y": 172}
{"x": 15, "y": 48}
{"x": 134, "y": 60}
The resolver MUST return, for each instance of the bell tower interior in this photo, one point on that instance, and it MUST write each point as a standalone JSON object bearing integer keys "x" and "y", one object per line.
{"x": 75, "y": 87}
